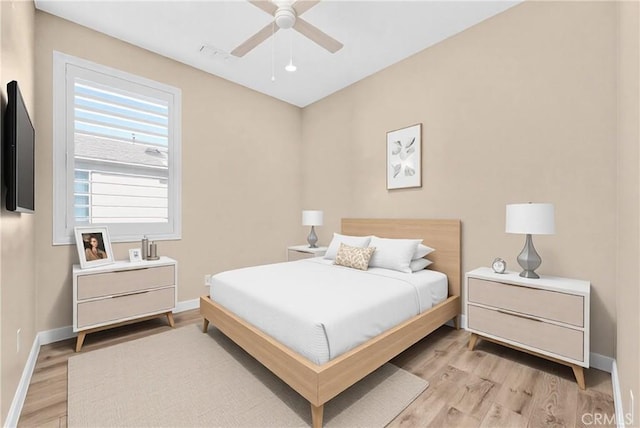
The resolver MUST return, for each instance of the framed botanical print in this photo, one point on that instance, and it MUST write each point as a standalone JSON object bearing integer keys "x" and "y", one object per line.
{"x": 404, "y": 157}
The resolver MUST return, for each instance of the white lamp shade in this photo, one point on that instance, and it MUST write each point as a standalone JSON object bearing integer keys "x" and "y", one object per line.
{"x": 534, "y": 219}
{"x": 312, "y": 218}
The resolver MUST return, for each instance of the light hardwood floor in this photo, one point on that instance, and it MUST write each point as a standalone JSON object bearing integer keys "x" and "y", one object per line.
{"x": 491, "y": 386}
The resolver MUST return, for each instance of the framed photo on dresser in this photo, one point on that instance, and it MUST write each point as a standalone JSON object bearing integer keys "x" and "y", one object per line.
{"x": 94, "y": 246}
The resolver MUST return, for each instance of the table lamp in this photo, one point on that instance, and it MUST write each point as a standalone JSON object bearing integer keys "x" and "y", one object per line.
{"x": 530, "y": 219}
{"x": 312, "y": 218}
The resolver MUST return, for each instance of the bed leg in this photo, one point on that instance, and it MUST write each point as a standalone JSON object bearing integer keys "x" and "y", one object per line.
{"x": 316, "y": 415}
{"x": 205, "y": 325}
{"x": 456, "y": 322}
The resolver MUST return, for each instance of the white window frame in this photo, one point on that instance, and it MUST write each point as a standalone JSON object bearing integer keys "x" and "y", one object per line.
{"x": 65, "y": 69}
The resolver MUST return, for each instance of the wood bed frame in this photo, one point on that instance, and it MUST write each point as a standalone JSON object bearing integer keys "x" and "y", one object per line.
{"x": 320, "y": 383}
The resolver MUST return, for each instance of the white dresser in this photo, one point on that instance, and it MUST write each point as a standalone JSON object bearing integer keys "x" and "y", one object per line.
{"x": 547, "y": 317}
{"x": 123, "y": 292}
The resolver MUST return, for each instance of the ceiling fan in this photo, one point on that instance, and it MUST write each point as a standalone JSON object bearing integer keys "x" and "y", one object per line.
{"x": 287, "y": 15}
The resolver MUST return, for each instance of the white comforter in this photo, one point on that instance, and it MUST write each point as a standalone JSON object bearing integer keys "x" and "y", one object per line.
{"x": 320, "y": 310}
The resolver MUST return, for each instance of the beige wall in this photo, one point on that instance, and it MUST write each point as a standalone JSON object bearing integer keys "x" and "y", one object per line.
{"x": 519, "y": 108}
{"x": 628, "y": 282}
{"x": 241, "y": 170}
{"x": 17, "y": 236}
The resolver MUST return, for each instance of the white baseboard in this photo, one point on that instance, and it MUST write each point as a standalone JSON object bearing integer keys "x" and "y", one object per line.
{"x": 23, "y": 385}
{"x": 617, "y": 396}
{"x": 56, "y": 335}
{"x": 187, "y": 305}
{"x": 601, "y": 362}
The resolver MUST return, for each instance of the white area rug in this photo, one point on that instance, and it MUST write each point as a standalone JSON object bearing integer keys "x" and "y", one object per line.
{"x": 184, "y": 378}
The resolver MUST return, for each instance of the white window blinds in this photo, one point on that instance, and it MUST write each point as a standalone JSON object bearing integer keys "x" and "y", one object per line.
{"x": 121, "y": 153}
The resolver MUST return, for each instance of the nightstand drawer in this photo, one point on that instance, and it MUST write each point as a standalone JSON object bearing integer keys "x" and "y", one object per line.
{"x": 540, "y": 335}
{"x": 298, "y": 255}
{"x": 127, "y": 306}
{"x": 299, "y": 252}
{"x": 561, "y": 307}
{"x": 125, "y": 281}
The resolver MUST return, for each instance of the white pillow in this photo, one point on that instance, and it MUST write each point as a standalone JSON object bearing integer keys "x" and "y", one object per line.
{"x": 395, "y": 254}
{"x": 352, "y": 241}
{"x": 419, "y": 264}
{"x": 422, "y": 251}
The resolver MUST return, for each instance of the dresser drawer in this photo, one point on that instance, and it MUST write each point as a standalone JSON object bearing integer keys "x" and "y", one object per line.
{"x": 128, "y": 306}
{"x": 124, "y": 281}
{"x": 544, "y": 336}
{"x": 561, "y": 307}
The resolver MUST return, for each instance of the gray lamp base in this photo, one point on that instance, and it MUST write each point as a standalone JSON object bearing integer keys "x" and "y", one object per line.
{"x": 312, "y": 239}
{"x": 529, "y": 259}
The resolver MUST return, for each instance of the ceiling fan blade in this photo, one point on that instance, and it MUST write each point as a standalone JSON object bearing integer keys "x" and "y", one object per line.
{"x": 301, "y": 6}
{"x": 321, "y": 38}
{"x": 265, "y": 5}
{"x": 255, "y": 40}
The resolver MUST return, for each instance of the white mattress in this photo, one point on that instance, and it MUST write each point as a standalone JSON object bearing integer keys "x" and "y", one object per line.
{"x": 321, "y": 310}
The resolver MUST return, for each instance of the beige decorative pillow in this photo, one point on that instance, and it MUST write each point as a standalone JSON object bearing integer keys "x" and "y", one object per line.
{"x": 354, "y": 257}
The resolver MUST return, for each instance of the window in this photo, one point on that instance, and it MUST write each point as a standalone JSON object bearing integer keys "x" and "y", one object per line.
{"x": 116, "y": 152}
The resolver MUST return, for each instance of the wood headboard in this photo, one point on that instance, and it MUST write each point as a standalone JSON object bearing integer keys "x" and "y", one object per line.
{"x": 443, "y": 235}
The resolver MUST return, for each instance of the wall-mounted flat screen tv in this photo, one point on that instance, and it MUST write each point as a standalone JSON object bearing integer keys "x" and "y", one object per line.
{"x": 19, "y": 153}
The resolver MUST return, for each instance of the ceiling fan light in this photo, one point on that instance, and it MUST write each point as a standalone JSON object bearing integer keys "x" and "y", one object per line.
{"x": 285, "y": 17}
{"x": 290, "y": 67}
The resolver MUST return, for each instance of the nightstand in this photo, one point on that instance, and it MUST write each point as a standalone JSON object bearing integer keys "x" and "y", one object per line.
{"x": 547, "y": 317}
{"x": 297, "y": 252}
{"x": 121, "y": 293}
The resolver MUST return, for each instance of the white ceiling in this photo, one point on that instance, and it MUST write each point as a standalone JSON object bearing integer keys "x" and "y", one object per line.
{"x": 375, "y": 34}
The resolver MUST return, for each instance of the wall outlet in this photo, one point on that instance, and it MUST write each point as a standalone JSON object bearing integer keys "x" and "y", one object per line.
{"x": 207, "y": 279}
{"x": 18, "y": 341}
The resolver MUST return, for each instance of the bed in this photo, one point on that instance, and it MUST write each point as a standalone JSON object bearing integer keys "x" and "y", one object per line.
{"x": 320, "y": 381}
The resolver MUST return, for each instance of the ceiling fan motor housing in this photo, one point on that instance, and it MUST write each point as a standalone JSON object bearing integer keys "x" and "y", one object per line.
{"x": 285, "y": 17}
